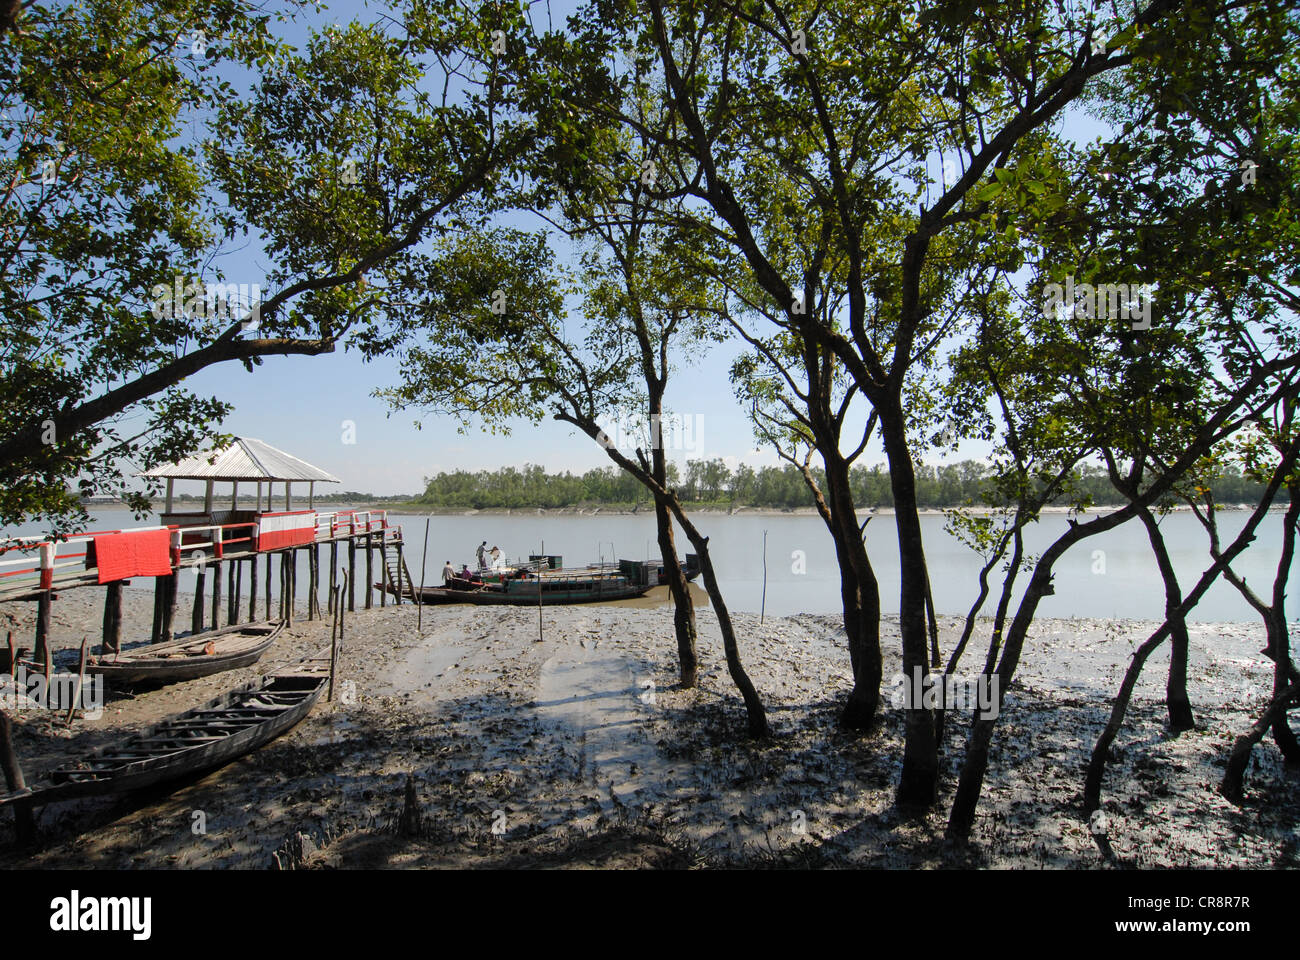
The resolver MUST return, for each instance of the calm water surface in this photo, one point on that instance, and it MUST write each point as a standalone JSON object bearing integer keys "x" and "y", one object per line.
{"x": 802, "y": 576}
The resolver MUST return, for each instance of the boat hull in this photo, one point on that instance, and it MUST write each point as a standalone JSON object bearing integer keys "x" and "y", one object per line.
{"x": 524, "y": 598}
{"x": 237, "y": 646}
{"x": 193, "y": 742}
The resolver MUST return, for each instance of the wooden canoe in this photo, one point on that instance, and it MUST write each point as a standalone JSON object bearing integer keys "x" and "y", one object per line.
{"x": 199, "y": 655}
{"x": 208, "y": 736}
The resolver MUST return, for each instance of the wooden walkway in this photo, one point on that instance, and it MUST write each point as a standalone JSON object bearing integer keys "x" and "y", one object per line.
{"x": 38, "y": 570}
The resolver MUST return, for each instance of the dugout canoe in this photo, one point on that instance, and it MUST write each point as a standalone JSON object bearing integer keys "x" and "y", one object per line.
{"x": 198, "y": 740}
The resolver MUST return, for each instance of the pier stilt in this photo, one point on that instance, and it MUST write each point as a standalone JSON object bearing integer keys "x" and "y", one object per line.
{"x": 200, "y": 584}
{"x": 24, "y": 822}
{"x": 252, "y": 590}
{"x": 312, "y": 557}
{"x": 334, "y": 573}
{"x": 232, "y": 598}
{"x": 268, "y": 586}
{"x": 370, "y": 571}
{"x": 216, "y": 594}
{"x": 159, "y": 589}
{"x": 42, "y": 624}
{"x": 168, "y": 632}
{"x": 113, "y": 617}
{"x": 352, "y": 574}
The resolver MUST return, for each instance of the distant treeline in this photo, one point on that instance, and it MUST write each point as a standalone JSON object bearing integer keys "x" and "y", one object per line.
{"x": 712, "y": 483}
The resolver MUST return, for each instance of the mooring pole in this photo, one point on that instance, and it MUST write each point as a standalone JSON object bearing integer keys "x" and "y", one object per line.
{"x": 762, "y": 610}
{"x": 539, "y": 593}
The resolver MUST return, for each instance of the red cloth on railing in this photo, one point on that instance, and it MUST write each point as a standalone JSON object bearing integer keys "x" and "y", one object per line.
{"x": 138, "y": 553}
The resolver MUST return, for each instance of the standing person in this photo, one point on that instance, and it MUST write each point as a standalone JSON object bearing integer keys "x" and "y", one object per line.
{"x": 496, "y": 556}
{"x": 482, "y": 559}
{"x": 448, "y": 574}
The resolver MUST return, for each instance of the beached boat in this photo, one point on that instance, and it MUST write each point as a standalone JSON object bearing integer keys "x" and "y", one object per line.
{"x": 197, "y": 740}
{"x": 199, "y": 655}
{"x": 524, "y": 592}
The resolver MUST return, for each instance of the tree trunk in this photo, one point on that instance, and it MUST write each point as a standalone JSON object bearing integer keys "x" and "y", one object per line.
{"x": 683, "y": 605}
{"x": 753, "y": 705}
{"x": 1235, "y": 774}
{"x": 1176, "y": 699}
{"x": 919, "y": 783}
{"x": 1279, "y": 641}
{"x": 860, "y": 596}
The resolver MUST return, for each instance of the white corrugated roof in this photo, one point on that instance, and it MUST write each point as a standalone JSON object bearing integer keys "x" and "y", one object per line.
{"x": 245, "y": 459}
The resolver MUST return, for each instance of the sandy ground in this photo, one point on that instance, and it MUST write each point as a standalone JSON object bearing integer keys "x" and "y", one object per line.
{"x": 471, "y": 744}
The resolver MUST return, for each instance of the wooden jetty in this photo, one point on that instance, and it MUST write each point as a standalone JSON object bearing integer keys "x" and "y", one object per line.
{"x": 213, "y": 544}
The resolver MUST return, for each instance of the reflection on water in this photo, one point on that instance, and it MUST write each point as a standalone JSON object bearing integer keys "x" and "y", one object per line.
{"x": 660, "y": 597}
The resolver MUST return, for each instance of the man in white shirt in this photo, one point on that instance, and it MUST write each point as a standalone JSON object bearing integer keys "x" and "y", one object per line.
{"x": 482, "y": 560}
{"x": 448, "y": 573}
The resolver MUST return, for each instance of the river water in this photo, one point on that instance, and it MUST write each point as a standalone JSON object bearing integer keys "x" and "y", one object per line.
{"x": 1111, "y": 575}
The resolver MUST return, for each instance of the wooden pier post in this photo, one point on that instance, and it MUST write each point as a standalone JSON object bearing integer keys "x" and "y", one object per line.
{"x": 268, "y": 586}
{"x": 216, "y": 594}
{"x": 24, "y": 822}
{"x": 168, "y": 632}
{"x": 237, "y": 588}
{"x": 252, "y": 590}
{"x": 113, "y": 617}
{"x": 173, "y": 588}
{"x": 312, "y": 577}
{"x": 370, "y": 570}
{"x": 384, "y": 578}
{"x": 216, "y": 578}
{"x": 200, "y": 585}
{"x": 159, "y": 592}
{"x": 286, "y": 589}
{"x": 42, "y": 624}
{"x": 352, "y": 573}
{"x": 334, "y": 573}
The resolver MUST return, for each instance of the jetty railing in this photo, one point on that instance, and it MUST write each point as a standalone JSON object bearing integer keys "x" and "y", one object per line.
{"x": 37, "y": 567}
